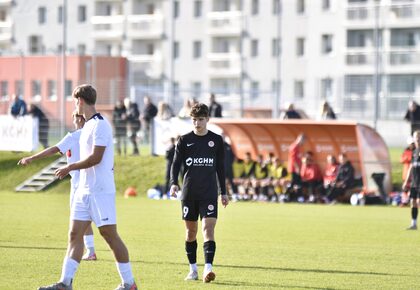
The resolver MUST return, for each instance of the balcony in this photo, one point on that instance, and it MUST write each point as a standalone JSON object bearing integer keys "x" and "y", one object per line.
{"x": 5, "y": 31}
{"x": 360, "y": 57}
{"x": 145, "y": 26}
{"x": 224, "y": 65}
{"x": 225, "y": 23}
{"x": 108, "y": 27}
{"x": 150, "y": 64}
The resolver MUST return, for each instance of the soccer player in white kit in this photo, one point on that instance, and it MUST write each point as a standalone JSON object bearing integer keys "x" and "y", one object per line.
{"x": 94, "y": 199}
{"x": 69, "y": 145}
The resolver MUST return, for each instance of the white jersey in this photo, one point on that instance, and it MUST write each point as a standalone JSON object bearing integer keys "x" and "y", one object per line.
{"x": 98, "y": 179}
{"x": 69, "y": 145}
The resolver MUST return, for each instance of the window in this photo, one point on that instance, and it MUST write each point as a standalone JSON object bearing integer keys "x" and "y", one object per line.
{"x": 34, "y": 44}
{"x": 326, "y": 43}
{"x": 150, "y": 9}
{"x": 60, "y": 14}
{"x": 176, "y": 50}
{"x": 175, "y": 89}
{"x": 275, "y": 47}
{"x": 357, "y": 38}
{"x": 42, "y": 15}
{"x": 176, "y": 9}
{"x": 254, "y": 47}
{"x": 197, "y": 49}
{"x": 81, "y": 13}
{"x": 198, "y": 7}
{"x": 52, "y": 90}
{"x": 4, "y": 90}
{"x": 196, "y": 90}
{"x": 300, "y": 46}
{"x": 299, "y": 89}
{"x": 81, "y": 49}
{"x": 150, "y": 47}
{"x": 326, "y": 5}
{"x": 59, "y": 48}
{"x": 68, "y": 89}
{"x": 19, "y": 88}
{"x": 255, "y": 90}
{"x": 275, "y": 86}
{"x": 300, "y": 9}
{"x": 255, "y": 7}
{"x": 108, "y": 10}
{"x": 36, "y": 90}
{"x": 326, "y": 88}
{"x": 276, "y": 7}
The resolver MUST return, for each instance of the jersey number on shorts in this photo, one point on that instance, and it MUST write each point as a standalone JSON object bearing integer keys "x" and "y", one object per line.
{"x": 185, "y": 211}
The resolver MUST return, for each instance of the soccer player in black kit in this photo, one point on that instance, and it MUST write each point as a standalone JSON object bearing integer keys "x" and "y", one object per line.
{"x": 413, "y": 175}
{"x": 202, "y": 154}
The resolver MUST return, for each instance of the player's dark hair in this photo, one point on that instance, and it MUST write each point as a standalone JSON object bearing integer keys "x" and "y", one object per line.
{"x": 85, "y": 92}
{"x": 199, "y": 110}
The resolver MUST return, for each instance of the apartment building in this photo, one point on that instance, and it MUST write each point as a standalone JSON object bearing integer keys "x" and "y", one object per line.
{"x": 360, "y": 55}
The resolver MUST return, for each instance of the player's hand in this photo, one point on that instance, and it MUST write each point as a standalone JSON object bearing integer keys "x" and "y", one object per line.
{"x": 62, "y": 172}
{"x": 174, "y": 189}
{"x": 405, "y": 186}
{"x": 25, "y": 161}
{"x": 225, "y": 200}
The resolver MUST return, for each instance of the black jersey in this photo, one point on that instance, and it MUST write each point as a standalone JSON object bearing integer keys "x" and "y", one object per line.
{"x": 415, "y": 169}
{"x": 203, "y": 160}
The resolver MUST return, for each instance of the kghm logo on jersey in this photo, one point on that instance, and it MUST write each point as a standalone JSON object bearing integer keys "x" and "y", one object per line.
{"x": 211, "y": 144}
{"x": 200, "y": 161}
{"x": 210, "y": 207}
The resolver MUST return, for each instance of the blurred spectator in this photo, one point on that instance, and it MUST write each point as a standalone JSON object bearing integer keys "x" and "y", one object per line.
{"x": 119, "y": 120}
{"x": 407, "y": 156}
{"x": 43, "y": 124}
{"x": 164, "y": 111}
{"x": 215, "y": 109}
{"x": 229, "y": 159}
{"x": 311, "y": 176}
{"x": 413, "y": 116}
{"x": 327, "y": 113}
{"x": 259, "y": 180}
{"x": 279, "y": 181}
{"x": 330, "y": 173}
{"x": 149, "y": 112}
{"x": 248, "y": 173}
{"x": 291, "y": 113}
{"x": 133, "y": 123}
{"x": 170, "y": 152}
{"x": 344, "y": 179}
{"x": 294, "y": 160}
{"x": 186, "y": 108}
{"x": 18, "y": 107}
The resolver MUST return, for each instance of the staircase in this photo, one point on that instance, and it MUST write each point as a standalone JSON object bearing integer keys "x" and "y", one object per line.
{"x": 43, "y": 178}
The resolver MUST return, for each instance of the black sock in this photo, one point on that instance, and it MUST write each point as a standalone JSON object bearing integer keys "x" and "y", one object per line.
{"x": 191, "y": 249}
{"x": 414, "y": 212}
{"x": 209, "y": 251}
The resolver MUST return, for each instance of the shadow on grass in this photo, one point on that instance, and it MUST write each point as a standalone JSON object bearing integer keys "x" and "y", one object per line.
{"x": 31, "y": 247}
{"x": 266, "y": 285}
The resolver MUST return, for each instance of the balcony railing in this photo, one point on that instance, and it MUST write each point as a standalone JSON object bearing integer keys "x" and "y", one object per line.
{"x": 224, "y": 64}
{"x": 145, "y": 26}
{"x": 108, "y": 27}
{"x": 225, "y": 22}
{"x": 5, "y": 30}
{"x": 395, "y": 57}
{"x": 386, "y": 13}
{"x": 150, "y": 64}
{"x": 360, "y": 57}
{"x": 404, "y": 57}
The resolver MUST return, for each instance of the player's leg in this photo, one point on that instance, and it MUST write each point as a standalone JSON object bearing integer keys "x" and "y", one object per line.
{"x": 90, "y": 254}
{"x": 73, "y": 256}
{"x": 209, "y": 247}
{"x": 414, "y": 208}
{"x": 190, "y": 217}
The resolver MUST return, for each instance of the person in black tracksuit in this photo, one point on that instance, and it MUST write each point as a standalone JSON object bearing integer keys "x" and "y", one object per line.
{"x": 413, "y": 178}
{"x": 344, "y": 179}
{"x": 202, "y": 154}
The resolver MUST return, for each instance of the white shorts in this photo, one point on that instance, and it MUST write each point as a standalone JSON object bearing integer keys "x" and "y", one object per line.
{"x": 99, "y": 208}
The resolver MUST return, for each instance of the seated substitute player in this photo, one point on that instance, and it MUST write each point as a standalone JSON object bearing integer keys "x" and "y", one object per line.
{"x": 94, "y": 199}
{"x": 69, "y": 145}
{"x": 202, "y": 153}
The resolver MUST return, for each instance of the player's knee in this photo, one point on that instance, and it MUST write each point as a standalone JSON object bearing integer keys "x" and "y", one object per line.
{"x": 191, "y": 234}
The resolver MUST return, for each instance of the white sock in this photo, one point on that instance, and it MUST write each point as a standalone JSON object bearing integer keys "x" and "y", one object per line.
{"x": 193, "y": 268}
{"x": 414, "y": 222}
{"x": 89, "y": 244}
{"x": 124, "y": 269}
{"x": 208, "y": 267}
{"x": 69, "y": 269}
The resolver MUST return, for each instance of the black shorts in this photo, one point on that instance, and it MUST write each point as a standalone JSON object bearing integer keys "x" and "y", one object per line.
{"x": 192, "y": 208}
{"x": 414, "y": 193}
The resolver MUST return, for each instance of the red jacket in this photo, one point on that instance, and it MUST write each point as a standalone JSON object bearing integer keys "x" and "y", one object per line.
{"x": 406, "y": 160}
{"x": 330, "y": 173}
{"x": 294, "y": 158}
{"x": 310, "y": 172}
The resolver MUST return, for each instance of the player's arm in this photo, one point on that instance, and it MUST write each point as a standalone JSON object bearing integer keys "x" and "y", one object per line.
{"x": 92, "y": 160}
{"x": 407, "y": 179}
{"x": 220, "y": 169}
{"x": 175, "y": 168}
{"x": 44, "y": 153}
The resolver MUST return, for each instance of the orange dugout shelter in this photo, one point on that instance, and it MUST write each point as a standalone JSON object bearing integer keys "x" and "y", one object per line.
{"x": 363, "y": 146}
